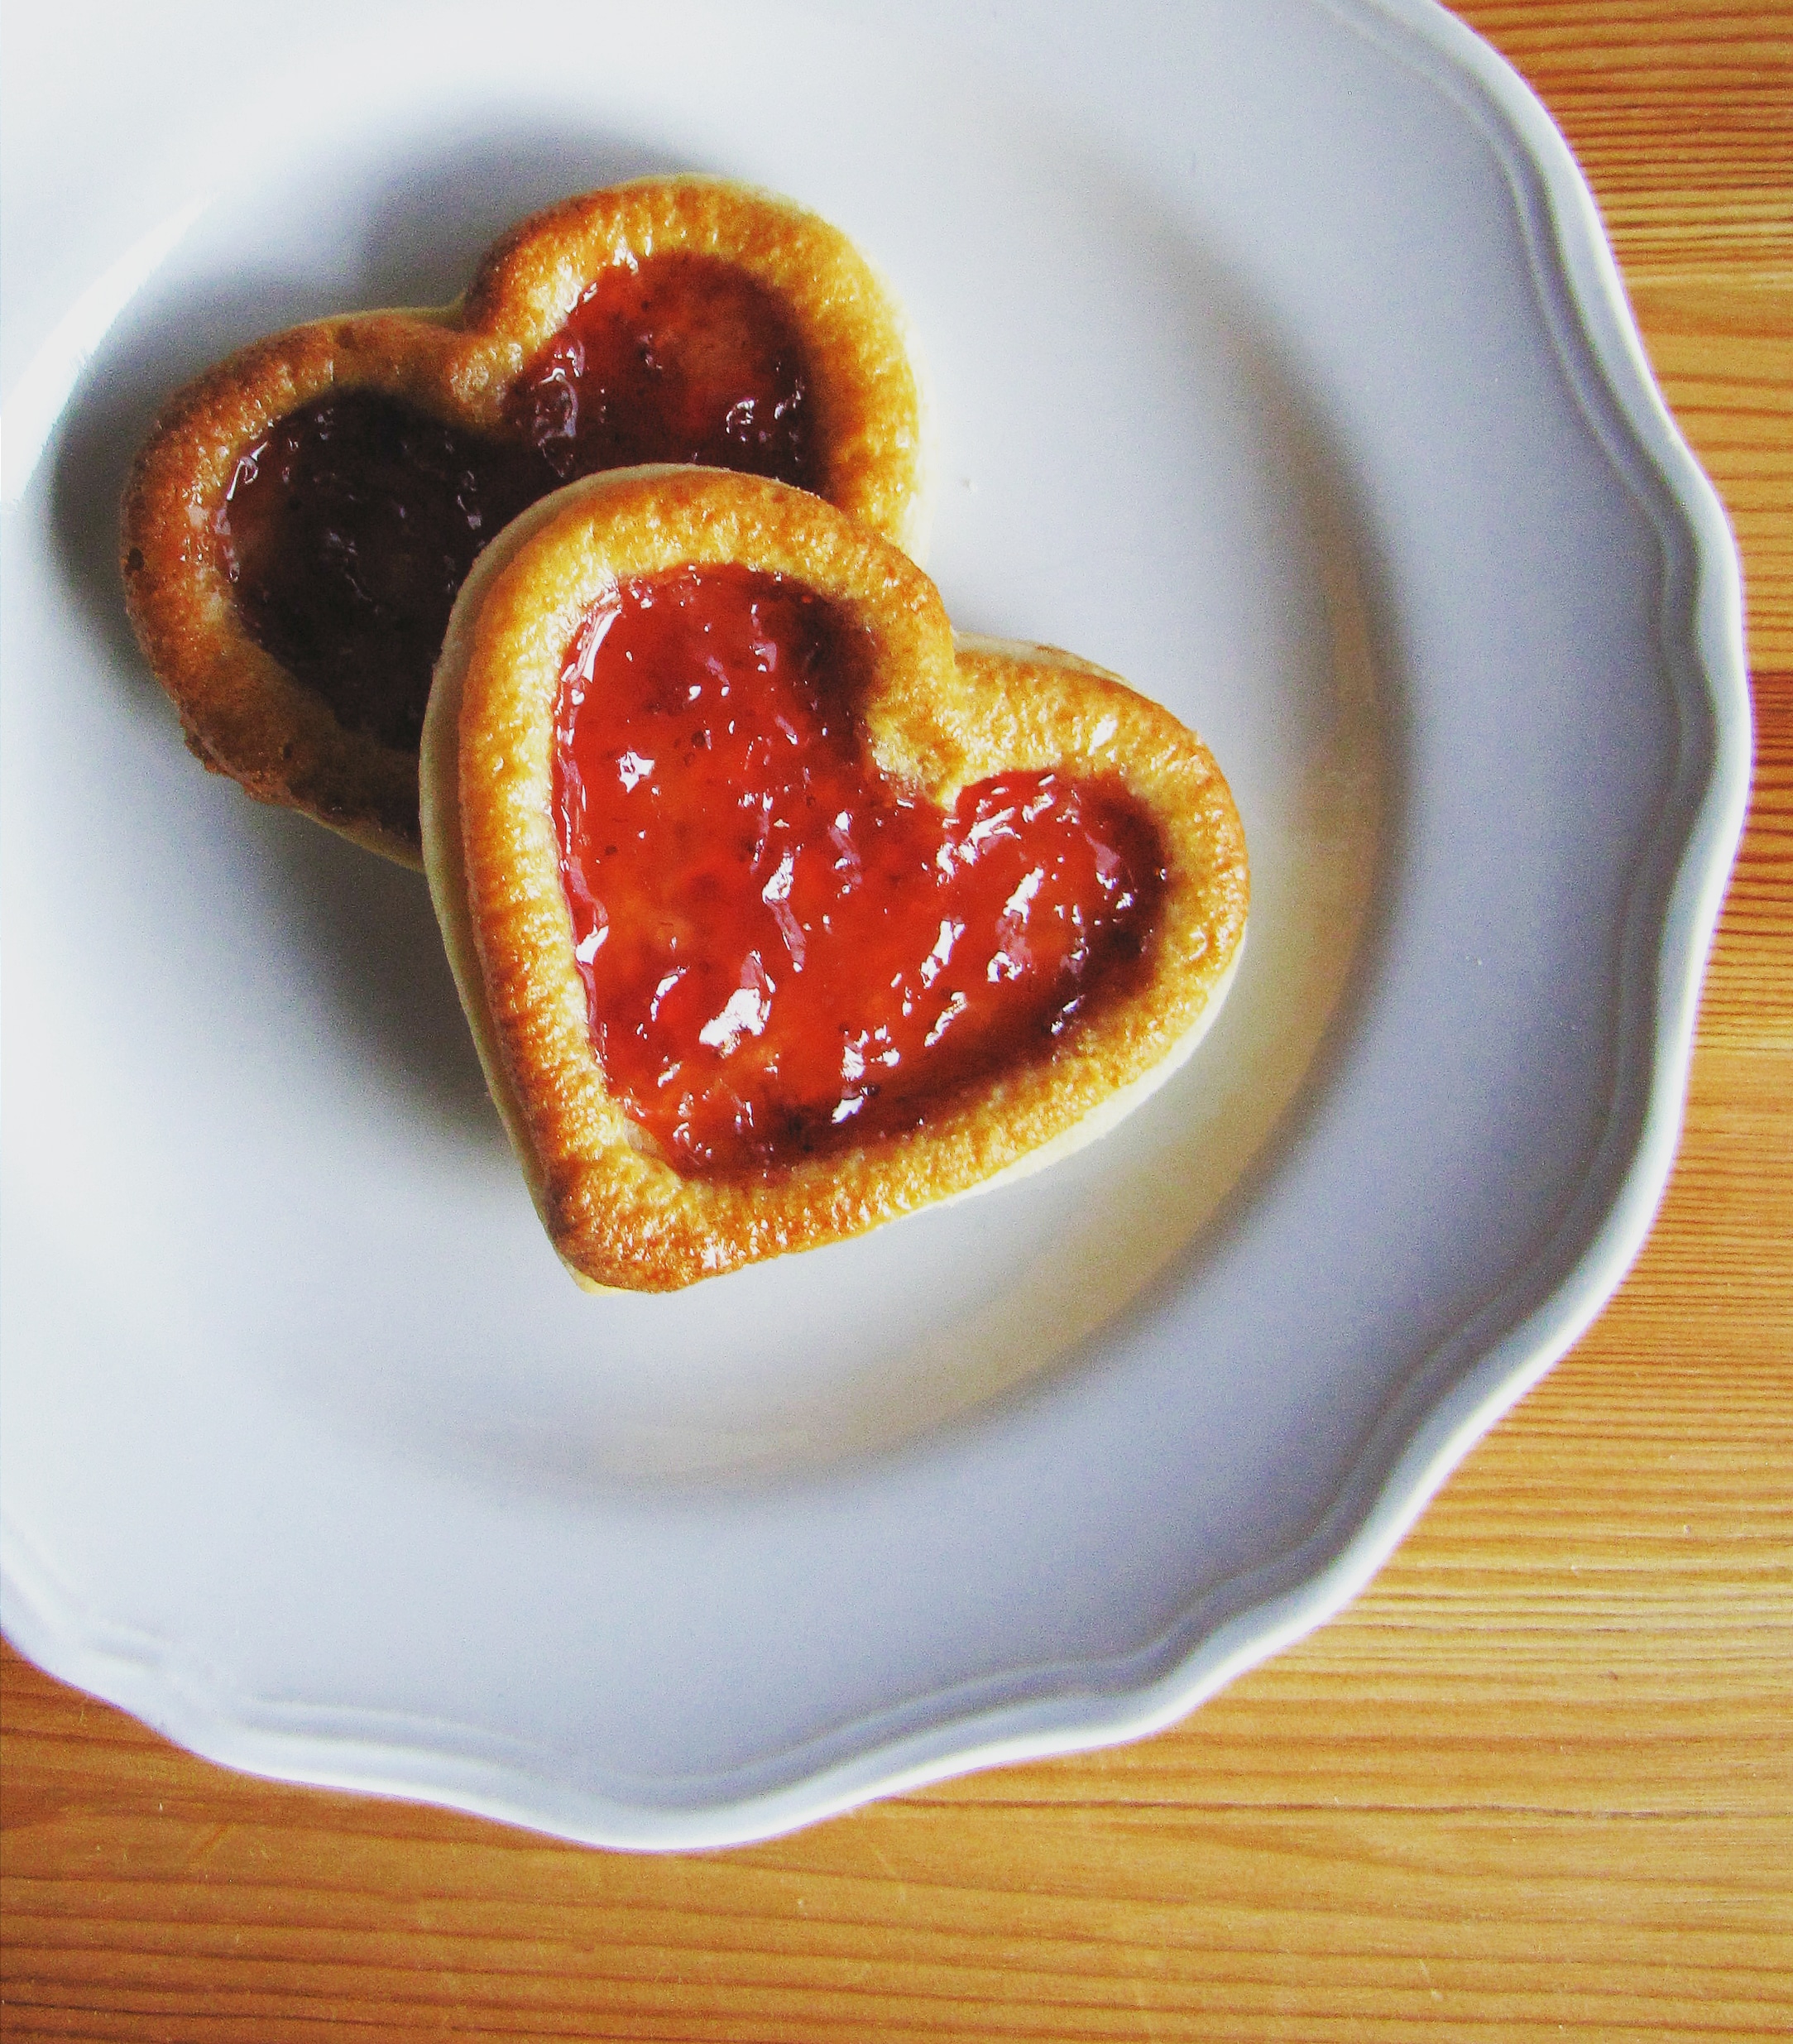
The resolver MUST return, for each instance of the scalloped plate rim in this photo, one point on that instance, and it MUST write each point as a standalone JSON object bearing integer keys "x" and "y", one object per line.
{"x": 1096, "y": 1704}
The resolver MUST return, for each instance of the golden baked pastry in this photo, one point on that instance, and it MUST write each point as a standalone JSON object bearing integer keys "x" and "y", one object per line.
{"x": 296, "y": 528}
{"x": 774, "y": 914}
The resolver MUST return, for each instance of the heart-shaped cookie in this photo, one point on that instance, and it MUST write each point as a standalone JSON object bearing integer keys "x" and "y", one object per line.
{"x": 774, "y": 914}
{"x": 297, "y": 525}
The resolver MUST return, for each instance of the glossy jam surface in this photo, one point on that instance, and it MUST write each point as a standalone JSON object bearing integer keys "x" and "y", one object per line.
{"x": 684, "y": 359}
{"x": 784, "y": 950}
{"x": 347, "y": 532}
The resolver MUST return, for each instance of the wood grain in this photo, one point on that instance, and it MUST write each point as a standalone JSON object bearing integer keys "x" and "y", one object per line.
{"x": 1538, "y": 1782}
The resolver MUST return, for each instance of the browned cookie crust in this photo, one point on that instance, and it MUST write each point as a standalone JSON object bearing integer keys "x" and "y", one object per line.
{"x": 244, "y": 713}
{"x": 938, "y": 716}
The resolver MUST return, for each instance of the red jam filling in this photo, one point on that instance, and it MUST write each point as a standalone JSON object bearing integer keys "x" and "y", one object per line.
{"x": 683, "y": 358}
{"x": 347, "y": 532}
{"x": 785, "y": 951}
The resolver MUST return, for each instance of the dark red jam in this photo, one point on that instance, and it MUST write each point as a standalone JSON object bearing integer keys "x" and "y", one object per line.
{"x": 784, "y": 950}
{"x": 684, "y": 359}
{"x": 347, "y": 533}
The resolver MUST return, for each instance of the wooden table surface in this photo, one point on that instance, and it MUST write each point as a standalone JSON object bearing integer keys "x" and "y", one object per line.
{"x": 1538, "y": 1780}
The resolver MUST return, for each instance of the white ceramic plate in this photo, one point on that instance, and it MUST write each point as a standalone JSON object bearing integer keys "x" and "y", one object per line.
{"x": 1278, "y": 363}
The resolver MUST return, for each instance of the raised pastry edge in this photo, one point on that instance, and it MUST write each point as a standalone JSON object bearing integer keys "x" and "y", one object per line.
{"x": 619, "y": 1216}
{"x": 241, "y": 712}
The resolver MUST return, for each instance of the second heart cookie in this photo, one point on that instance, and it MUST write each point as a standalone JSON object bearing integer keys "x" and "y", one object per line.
{"x": 297, "y": 527}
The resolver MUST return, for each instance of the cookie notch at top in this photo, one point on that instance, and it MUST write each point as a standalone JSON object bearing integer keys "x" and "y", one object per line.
{"x": 473, "y": 399}
{"x": 940, "y": 720}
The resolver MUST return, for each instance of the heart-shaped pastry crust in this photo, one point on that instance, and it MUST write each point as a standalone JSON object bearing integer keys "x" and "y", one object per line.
{"x": 296, "y": 528}
{"x": 774, "y": 914}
